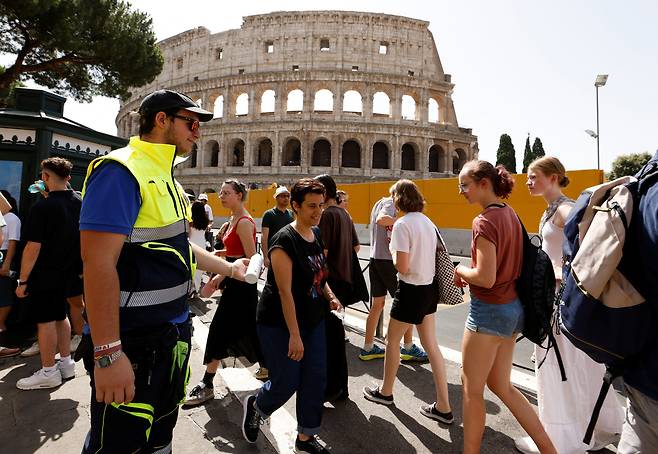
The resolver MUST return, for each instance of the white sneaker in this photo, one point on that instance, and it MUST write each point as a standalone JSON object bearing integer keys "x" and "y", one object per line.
{"x": 75, "y": 341}
{"x": 526, "y": 445}
{"x": 67, "y": 370}
{"x": 40, "y": 380}
{"x": 32, "y": 351}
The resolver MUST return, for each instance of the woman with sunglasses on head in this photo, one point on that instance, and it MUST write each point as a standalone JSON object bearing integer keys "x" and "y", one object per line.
{"x": 565, "y": 408}
{"x": 292, "y": 314}
{"x": 413, "y": 247}
{"x": 495, "y": 315}
{"x": 233, "y": 328}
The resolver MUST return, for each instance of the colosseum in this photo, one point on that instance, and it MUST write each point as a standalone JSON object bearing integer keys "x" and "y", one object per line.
{"x": 360, "y": 96}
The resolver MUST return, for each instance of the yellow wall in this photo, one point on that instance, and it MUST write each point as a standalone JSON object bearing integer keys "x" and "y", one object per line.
{"x": 445, "y": 206}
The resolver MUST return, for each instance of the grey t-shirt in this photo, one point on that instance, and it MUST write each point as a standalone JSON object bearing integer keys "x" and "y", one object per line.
{"x": 380, "y": 236}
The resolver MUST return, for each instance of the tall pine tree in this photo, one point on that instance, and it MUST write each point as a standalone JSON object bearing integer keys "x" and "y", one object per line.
{"x": 537, "y": 149}
{"x": 506, "y": 154}
{"x": 528, "y": 157}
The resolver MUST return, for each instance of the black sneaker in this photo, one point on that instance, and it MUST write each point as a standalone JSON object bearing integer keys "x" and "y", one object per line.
{"x": 373, "y": 395}
{"x": 431, "y": 412}
{"x": 251, "y": 420}
{"x": 313, "y": 445}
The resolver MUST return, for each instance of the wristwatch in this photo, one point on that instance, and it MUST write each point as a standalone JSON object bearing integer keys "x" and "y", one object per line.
{"x": 21, "y": 282}
{"x": 107, "y": 360}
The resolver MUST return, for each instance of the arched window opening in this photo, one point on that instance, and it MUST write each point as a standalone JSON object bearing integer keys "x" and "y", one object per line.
{"x": 381, "y": 104}
{"x": 380, "y": 156}
{"x": 295, "y": 101}
{"x": 237, "y": 153}
{"x": 323, "y": 101}
{"x": 351, "y": 155}
{"x": 352, "y": 102}
{"x": 321, "y": 153}
{"x": 264, "y": 153}
{"x": 218, "y": 108}
{"x": 408, "y": 157}
{"x": 242, "y": 105}
{"x": 267, "y": 101}
{"x": 292, "y": 153}
{"x": 432, "y": 111}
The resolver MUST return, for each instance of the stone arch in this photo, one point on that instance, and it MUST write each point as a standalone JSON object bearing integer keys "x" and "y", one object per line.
{"x": 351, "y": 154}
{"x": 236, "y": 153}
{"x": 295, "y": 101}
{"x": 352, "y": 102}
{"x": 381, "y": 155}
{"x": 381, "y": 104}
{"x": 263, "y": 152}
{"x": 409, "y": 108}
{"x": 193, "y": 156}
{"x": 268, "y": 101}
{"x": 437, "y": 157}
{"x": 292, "y": 152}
{"x": 459, "y": 158}
{"x": 242, "y": 105}
{"x": 409, "y": 156}
{"x": 211, "y": 156}
{"x": 218, "y": 107}
{"x": 432, "y": 111}
{"x": 321, "y": 156}
{"x": 323, "y": 101}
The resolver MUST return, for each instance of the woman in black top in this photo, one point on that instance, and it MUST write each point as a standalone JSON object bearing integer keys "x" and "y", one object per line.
{"x": 290, "y": 322}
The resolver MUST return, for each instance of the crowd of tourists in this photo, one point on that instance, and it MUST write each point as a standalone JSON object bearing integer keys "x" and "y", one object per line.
{"x": 145, "y": 249}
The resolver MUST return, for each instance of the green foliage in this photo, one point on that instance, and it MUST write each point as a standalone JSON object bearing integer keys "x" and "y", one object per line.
{"x": 506, "y": 154}
{"x": 8, "y": 92}
{"x": 537, "y": 149}
{"x": 628, "y": 164}
{"x": 527, "y": 154}
{"x": 79, "y": 48}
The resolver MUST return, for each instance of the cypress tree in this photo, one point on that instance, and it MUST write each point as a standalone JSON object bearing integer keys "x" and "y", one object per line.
{"x": 506, "y": 154}
{"x": 537, "y": 149}
{"x": 528, "y": 157}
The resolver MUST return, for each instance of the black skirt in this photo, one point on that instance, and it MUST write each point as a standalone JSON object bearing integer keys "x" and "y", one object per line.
{"x": 233, "y": 328}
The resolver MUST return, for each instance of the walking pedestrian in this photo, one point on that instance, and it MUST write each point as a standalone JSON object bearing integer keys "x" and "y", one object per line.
{"x": 232, "y": 331}
{"x": 10, "y": 235}
{"x": 51, "y": 253}
{"x": 274, "y": 219}
{"x": 383, "y": 278}
{"x": 198, "y": 228}
{"x": 291, "y": 322}
{"x": 413, "y": 246}
{"x": 495, "y": 315}
{"x": 565, "y": 407}
{"x": 138, "y": 269}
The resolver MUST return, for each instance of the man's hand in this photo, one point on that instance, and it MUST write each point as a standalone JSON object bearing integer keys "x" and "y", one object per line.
{"x": 21, "y": 291}
{"x": 335, "y": 305}
{"x": 295, "y": 347}
{"x": 115, "y": 383}
{"x": 240, "y": 269}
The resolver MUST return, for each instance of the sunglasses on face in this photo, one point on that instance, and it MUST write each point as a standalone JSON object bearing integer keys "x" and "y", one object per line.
{"x": 192, "y": 123}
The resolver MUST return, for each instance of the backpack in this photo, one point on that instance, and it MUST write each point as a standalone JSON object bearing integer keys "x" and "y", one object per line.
{"x": 536, "y": 290}
{"x": 602, "y": 312}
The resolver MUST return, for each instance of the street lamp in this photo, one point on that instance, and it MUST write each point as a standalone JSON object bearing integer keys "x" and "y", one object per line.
{"x": 600, "y": 81}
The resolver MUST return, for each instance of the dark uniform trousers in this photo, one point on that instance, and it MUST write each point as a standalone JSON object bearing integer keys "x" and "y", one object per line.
{"x": 160, "y": 357}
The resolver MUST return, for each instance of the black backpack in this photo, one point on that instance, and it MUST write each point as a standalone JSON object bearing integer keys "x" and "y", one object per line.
{"x": 536, "y": 290}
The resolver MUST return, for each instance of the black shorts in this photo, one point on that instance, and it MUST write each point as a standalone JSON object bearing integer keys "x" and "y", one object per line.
{"x": 47, "y": 304}
{"x": 383, "y": 277}
{"x": 413, "y": 302}
{"x": 74, "y": 286}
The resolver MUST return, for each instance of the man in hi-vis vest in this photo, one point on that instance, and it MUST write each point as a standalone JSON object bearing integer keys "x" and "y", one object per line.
{"x": 138, "y": 269}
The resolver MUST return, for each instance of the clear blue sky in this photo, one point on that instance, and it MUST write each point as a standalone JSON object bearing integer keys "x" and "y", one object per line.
{"x": 518, "y": 66}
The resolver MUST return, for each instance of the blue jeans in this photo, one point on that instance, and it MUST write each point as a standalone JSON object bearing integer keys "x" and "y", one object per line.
{"x": 500, "y": 320}
{"x": 308, "y": 377}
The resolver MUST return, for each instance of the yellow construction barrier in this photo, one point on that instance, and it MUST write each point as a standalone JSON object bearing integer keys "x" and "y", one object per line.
{"x": 445, "y": 206}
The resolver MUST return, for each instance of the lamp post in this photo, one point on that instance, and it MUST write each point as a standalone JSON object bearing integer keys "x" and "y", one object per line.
{"x": 600, "y": 81}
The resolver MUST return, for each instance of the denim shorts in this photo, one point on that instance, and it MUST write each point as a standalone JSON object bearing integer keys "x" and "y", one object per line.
{"x": 501, "y": 320}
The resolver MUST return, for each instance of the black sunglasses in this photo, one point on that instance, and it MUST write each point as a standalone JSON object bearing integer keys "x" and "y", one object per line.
{"x": 192, "y": 123}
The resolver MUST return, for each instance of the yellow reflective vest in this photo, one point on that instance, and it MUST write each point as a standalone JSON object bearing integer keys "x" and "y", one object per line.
{"x": 156, "y": 263}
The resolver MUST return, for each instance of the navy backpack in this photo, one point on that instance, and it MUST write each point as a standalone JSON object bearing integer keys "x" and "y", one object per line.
{"x": 602, "y": 310}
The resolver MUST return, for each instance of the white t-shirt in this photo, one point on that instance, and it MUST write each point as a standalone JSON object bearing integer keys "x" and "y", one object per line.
{"x": 198, "y": 237}
{"x": 415, "y": 234}
{"x": 209, "y": 212}
{"x": 11, "y": 231}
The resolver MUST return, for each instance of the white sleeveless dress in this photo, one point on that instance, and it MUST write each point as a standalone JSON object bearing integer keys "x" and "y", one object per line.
{"x": 565, "y": 408}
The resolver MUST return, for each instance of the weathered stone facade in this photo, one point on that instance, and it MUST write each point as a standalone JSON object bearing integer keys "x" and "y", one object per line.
{"x": 356, "y": 95}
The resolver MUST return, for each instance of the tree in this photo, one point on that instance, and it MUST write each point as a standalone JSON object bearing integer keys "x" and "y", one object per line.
{"x": 527, "y": 154}
{"x": 537, "y": 149}
{"x": 78, "y": 48}
{"x": 8, "y": 92}
{"x": 506, "y": 154}
{"x": 628, "y": 164}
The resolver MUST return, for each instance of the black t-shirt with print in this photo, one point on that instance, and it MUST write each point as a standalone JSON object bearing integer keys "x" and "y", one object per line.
{"x": 309, "y": 274}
